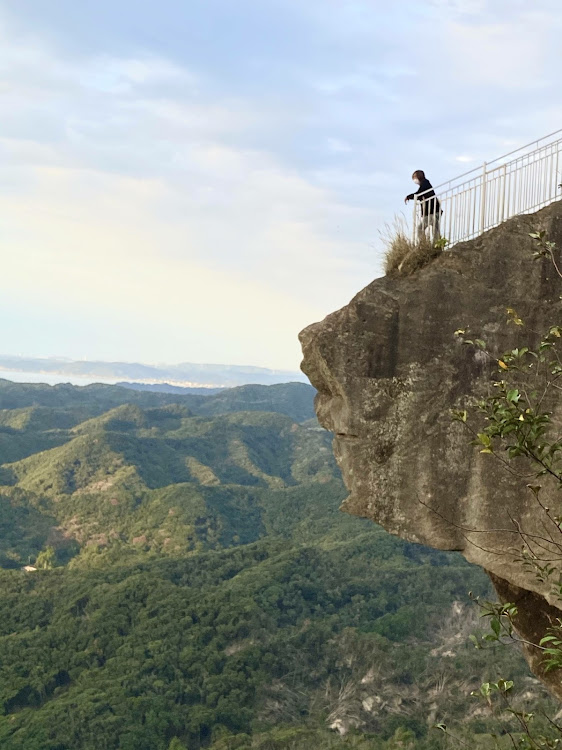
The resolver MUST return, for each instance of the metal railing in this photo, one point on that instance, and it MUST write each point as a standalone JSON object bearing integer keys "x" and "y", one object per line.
{"x": 521, "y": 181}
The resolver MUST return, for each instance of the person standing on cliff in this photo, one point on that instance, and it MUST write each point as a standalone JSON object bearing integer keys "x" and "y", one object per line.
{"x": 429, "y": 204}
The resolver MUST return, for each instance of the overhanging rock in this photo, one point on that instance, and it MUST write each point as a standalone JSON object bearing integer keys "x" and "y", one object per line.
{"x": 388, "y": 370}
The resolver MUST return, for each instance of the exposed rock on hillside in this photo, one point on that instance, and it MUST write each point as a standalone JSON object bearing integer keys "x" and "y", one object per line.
{"x": 388, "y": 370}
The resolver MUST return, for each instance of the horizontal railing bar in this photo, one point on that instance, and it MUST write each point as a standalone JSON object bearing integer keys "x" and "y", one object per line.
{"x": 520, "y": 148}
{"x": 463, "y": 186}
{"x": 532, "y": 143}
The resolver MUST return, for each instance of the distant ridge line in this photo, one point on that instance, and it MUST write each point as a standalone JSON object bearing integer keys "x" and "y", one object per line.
{"x": 184, "y": 375}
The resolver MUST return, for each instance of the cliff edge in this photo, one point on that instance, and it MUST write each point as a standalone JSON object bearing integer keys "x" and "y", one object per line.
{"x": 388, "y": 370}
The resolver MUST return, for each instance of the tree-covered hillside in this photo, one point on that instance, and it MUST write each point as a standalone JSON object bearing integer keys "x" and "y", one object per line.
{"x": 197, "y": 586}
{"x": 153, "y": 480}
{"x": 292, "y": 399}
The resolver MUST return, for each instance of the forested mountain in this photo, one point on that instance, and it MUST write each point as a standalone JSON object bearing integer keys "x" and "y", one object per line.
{"x": 157, "y": 479}
{"x": 197, "y": 586}
{"x": 293, "y": 399}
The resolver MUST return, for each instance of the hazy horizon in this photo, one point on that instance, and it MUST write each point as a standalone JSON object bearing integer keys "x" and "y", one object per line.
{"x": 53, "y": 370}
{"x": 156, "y": 363}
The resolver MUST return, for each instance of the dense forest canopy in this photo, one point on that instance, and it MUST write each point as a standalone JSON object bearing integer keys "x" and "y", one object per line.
{"x": 196, "y": 586}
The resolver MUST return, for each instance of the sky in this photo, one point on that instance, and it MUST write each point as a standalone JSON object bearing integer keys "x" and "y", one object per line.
{"x": 198, "y": 180}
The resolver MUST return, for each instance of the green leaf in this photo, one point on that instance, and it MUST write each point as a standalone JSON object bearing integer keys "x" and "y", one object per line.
{"x": 547, "y": 639}
{"x": 459, "y": 415}
{"x": 484, "y": 439}
{"x": 505, "y": 685}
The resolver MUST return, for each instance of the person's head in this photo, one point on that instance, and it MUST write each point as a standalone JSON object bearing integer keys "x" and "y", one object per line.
{"x": 418, "y": 176}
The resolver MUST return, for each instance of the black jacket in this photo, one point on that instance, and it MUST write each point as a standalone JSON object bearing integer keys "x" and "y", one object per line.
{"x": 428, "y": 201}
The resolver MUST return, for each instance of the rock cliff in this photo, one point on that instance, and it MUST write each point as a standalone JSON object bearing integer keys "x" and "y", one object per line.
{"x": 388, "y": 370}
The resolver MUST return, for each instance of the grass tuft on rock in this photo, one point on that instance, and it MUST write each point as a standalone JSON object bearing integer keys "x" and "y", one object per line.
{"x": 402, "y": 256}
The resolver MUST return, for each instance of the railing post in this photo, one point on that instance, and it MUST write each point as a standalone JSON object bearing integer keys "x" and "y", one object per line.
{"x": 483, "y": 199}
{"x": 414, "y": 222}
{"x": 503, "y": 192}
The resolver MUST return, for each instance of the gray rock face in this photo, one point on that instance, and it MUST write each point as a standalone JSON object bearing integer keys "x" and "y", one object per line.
{"x": 388, "y": 370}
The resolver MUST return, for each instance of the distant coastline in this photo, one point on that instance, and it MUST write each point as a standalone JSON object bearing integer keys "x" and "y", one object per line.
{"x": 184, "y": 375}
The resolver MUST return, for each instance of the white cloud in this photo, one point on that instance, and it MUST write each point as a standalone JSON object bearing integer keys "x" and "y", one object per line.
{"x": 368, "y": 82}
{"x": 337, "y": 146}
{"x": 509, "y": 54}
{"x": 118, "y": 75}
{"x": 88, "y": 242}
{"x": 462, "y": 7}
{"x": 139, "y": 204}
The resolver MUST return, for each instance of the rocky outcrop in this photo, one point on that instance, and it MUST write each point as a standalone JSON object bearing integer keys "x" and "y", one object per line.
{"x": 388, "y": 370}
